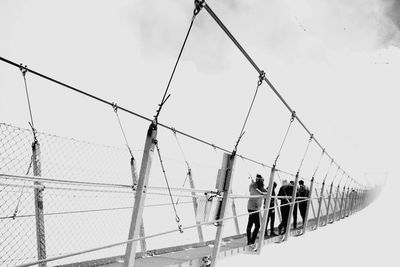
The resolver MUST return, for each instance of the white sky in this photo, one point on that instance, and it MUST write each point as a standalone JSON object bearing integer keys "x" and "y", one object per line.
{"x": 335, "y": 62}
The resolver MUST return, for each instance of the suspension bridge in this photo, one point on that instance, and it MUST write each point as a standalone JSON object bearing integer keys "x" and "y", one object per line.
{"x": 67, "y": 202}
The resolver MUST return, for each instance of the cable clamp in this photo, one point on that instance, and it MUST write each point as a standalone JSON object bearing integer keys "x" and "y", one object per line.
{"x": 198, "y": 5}
{"x": 155, "y": 121}
{"x": 293, "y": 116}
{"x": 173, "y": 130}
{"x": 261, "y": 78}
{"x": 177, "y": 219}
{"x": 23, "y": 69}
{"x": 311, "y": 137}
{"x": 115, "y": 107}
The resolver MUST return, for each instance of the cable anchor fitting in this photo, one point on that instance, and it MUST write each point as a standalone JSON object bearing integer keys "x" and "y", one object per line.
{"x": 198, "y": 6}
{"x": 159, "y": 108}
{"x": 23, "y": 69}
{"x": 261, "y": 78}
{"x": 115, "y": 107}
{"x": 293, "y": 116}
{"x": 177, "y": 219}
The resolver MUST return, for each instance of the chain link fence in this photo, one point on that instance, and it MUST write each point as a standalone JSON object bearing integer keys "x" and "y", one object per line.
{"x": 80, "y": 210}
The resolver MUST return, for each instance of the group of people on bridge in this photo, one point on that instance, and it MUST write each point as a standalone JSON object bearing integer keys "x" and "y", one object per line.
{"x": 255, "y": 204}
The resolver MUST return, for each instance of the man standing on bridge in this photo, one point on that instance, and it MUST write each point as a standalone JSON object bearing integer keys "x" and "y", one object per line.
{"x": 304, "y": 193}
{"x": 284, "y": 194}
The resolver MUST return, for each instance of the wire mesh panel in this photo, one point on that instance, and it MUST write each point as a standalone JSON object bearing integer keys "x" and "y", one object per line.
{"x": 76, "y": 216}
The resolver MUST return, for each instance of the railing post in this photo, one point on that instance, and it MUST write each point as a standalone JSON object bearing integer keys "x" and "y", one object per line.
{"x": 140, "y": 195}
{"x": 235, "y": 219}
{"x": 329, "y": 204}
{"x": 341, "y": 203}
{"x": 336, "y": 204}
{"x": 346, "y": 203}
{"x": 266, "y": 211}
{"x": 134, "y": 180}
{"x": 320, "y": 205}
{"x": 38, "y": 194}
{"x": 308, "y": 206}
{"x": 227, "y": 169}
{"x": 292, "y": 203}
{"x": 194, "y": 200}
{"x": 351, "y": 199}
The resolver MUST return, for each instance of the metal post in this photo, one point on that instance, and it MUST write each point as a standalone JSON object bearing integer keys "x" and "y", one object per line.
{"x": 329, "y": 204}
{"x": 346, "y": 203}
{"x": 292, "y": 203}
{"x": 235, "y": 219}
{"x": 336, "y": 204}
{"x": 140, "y": 195}
{"x": 39, "y": 214}
{"x": 308, "y": 206}
{"x": 341, "y": 203}
{"x": 320, "y": 205}
{"x": 191, "y": 182}
{"x": 134, "y": 181}
{"x": 313, "y": 209}
{"x": 227, "y": 169}
{"x": 266, "y": 211}
{"x": 351, "y": 198}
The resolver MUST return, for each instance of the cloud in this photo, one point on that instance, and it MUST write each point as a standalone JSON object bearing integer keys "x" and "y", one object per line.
{"x": 287, "y": 30}
{"x": 392, "y": 12}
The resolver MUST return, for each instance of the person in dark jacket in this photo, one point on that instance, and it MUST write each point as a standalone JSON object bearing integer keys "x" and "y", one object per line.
{"x": 304, "y": 193}
{"x": 295, "y": 206}
{"x": 271, "y": 213}
{"x": 284, "y": 194}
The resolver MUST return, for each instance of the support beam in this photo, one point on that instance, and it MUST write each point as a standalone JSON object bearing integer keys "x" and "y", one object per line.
{"x": 227, "y": 170}
{"x": 140, "y": 195}
{"x": 329, "y": 204}
{"x": 309, "y": 201}
{"x": 39, "y": 213}
{"x": 263, "y": 229}
{"x": 320, "y": 205}
{"x": 234, "y": 213}
{"x": 191, "y": 182}
{"x": 292, "y": 203}
{"x": 143, "y": 246}
{"x": 346, "y": 203}
{"x": 342, "y": 203}
{"x": 336, "y": 204}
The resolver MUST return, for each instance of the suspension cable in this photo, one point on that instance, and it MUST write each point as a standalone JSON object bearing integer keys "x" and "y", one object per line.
{"x": 24, "y": 70}
{"x": 343, "y": 175}
{"x": 337, "y": 171}
{"x": 251, "y": 61}
{"x": 259, "y": 82}
{"x": 305, "y": 153}
{"x": 22, "y": 190}
{"x": 286, "y": 134}
{"x": 183, "y": 185}
{"x": 327, "y": 173}
{"x": 177, "y": 219}
{"x": 180, "y": 148}
{"x": 189, "y": 170}
{"x": 198, "y": 7}
{"x": 115, "y": 108}
{"x": 215, "y": 147}
{"x": 319, "y": 163}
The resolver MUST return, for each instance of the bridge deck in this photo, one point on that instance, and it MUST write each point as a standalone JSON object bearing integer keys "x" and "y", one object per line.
{"x": 190, "y": 254}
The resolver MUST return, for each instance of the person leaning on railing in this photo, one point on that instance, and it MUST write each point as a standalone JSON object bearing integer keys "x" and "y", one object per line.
{"x": 253, "y": 206}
